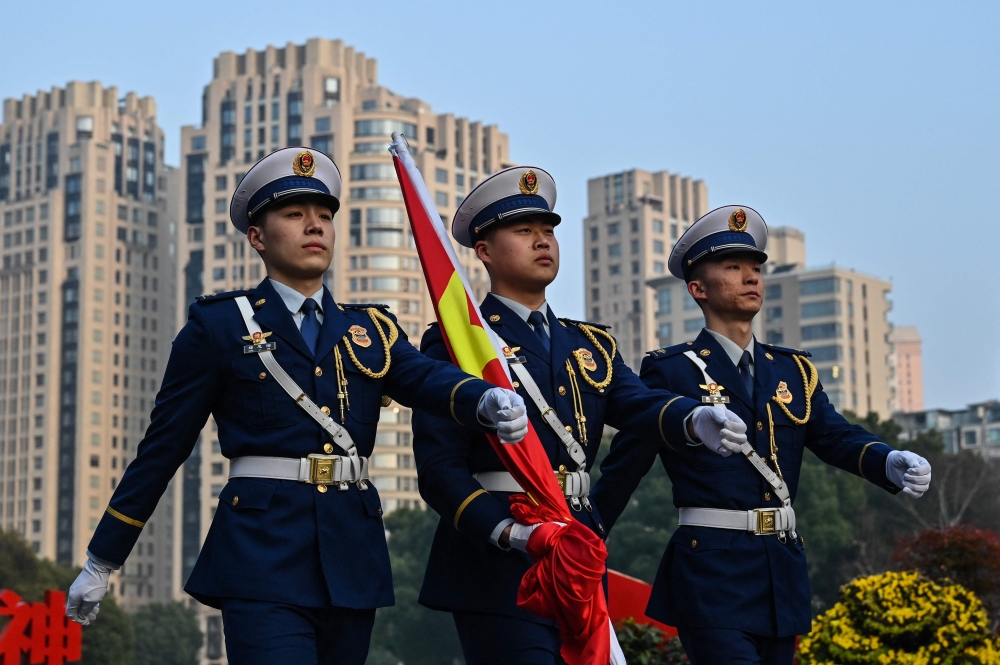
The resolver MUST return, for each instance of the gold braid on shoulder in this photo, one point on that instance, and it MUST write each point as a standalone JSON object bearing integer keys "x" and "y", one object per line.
{"x": 590, "y": 331}
{"x": 809, "y": 382}
{"x": 376, "y": 316}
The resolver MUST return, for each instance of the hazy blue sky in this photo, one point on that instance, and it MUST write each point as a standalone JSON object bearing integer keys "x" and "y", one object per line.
{"x": 874, "y": 127}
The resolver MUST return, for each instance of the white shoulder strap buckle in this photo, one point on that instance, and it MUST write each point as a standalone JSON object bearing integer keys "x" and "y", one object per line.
{"x": 338, "y": 434}
{"x": 571, "y": 445}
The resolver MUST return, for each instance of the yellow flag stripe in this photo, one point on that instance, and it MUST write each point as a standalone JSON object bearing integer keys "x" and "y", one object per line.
{"x": 471, "y": 344}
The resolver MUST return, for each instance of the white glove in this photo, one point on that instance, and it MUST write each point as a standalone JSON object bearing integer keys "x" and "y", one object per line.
{"x": 520, "y": 533}
{"x": 721, "y": 430}
{"x": 84, "y": 601}
{"x": 505, "y": 410}
{"x": 908, "y": 471}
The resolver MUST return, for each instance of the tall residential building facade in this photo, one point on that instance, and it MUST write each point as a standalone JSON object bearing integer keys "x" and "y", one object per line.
{"x": 840, "y": 316}
{"x": 86, "y": 319}
{"x": 907, "y": 370}
{"x": 633, "y": 219}
{"x": 325, "y": 95}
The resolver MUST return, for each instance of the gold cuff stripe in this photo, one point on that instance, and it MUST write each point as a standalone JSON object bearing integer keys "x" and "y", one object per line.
{"x": 453, "y": 391}
{"x": 468, "y": 500}
{"x": 660, "y": 421}
{"x": 123, "y": 518}
{"x": 862, "y": 456}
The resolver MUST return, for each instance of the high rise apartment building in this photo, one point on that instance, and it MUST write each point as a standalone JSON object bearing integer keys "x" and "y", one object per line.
{"x": 86, "y": 319}
{"x": 907, "y": 370}
{"x": 633, "y": 219}
{"x": 837, "y": 314}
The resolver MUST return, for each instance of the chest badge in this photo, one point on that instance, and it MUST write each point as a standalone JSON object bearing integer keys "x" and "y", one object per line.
{"x": 586, "y": 358}
{"x": 257, "y": 343}
{"x": 714, "y": 395}
{"x": 511, "y": 355}
{"x": 360, "y": 336}
{"x": 782, "y": 393}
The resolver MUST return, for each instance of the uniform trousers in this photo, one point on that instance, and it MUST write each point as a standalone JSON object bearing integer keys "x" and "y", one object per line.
{"x": 719, "y": 646}
{"x": 492, "y": 639}
{"x": 266, "y": 633}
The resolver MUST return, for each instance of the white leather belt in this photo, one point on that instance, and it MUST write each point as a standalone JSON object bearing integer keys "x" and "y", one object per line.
{"x": 760, "y": 521}
{"x": 313, "y": 470}
{"x": 575, "y": 484}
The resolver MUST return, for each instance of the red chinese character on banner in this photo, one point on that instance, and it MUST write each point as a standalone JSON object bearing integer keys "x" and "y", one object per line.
{"x": 40, "y": 630}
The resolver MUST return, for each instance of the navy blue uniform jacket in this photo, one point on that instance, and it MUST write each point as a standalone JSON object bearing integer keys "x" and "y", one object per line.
{"x": 717, "y": 578}
{"x": 279, "y": 540}
{"x": 465, "y": 572}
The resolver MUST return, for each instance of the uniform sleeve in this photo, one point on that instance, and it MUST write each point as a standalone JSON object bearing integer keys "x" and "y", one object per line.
{"x": 655, "y": 413}
{"x": 191, "y": 383}
{"x": 437, "y": 386}
{"x": 631, "y": 456}
{"x": 843, "y": 445}
{"x": 441, "y": 450}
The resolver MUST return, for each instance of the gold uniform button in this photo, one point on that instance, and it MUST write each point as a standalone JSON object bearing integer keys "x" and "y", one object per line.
{"x": 767, "y": 496}
{"x": 516, "y": 384}
{"x": 694, "y": 544}
{"x": 263, "y": 375}
{"x": 769, "y": 356}
{"x": 705, "y": 352}
{"x": 319, "y": 371}
{"x": 325, "y": 410}
{"x": 562, "y": 390}
{"x": 236, "y": 500}
{"x": 569, "y": 428}
{"x": 328, "y": 448}
{"x": 760, "y": 425}
{"x": 321, "y": 489}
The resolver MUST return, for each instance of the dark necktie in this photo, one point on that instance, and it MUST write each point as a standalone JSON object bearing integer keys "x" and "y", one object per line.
{"x": 310, "y": 324}
{"x": 537, "y": 322}
{"x": 744, "y": 367}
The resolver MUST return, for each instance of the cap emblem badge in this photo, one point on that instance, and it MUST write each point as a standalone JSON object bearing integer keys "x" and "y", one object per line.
{"x": 360, "y": 336}
{"x": 586, "y": 358}
{"x": 304, "y": 164}
{"x": 782, "y": 393}
{"x": 529, "y": 182}
{"x": 738, "y": 221}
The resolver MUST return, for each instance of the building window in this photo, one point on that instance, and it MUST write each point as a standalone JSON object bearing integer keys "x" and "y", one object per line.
{"x": 811, "y": 287}
{"x": 969, "y": 437}
{"x": 594, "y": 254}
{"x": 614, "y": 228}
{"x": 595, "y": 294}
{"x": 658, "y": 267}
{"x": 218, "y": 274}
{"x": 689, "y": 302}
{"x": 657, "y": 226}
{"x": 822, "y": 331}
{"x": 385, "y": 127}
{"x": 616, "y": 269}
{"x": 635, "y": 247}
{"x": 595, "y": 275}
{"x": 772, "y": 292}
{"x": 774, "y": 337}
{"x": 198, "y": 143}
{"x": 322, "y": 124}
{"x": 826, "y": 353}
{"x": 694, "y": 325}
{"x": 331, "y": 91}
{"x": 441, "y": 199}
{"x": 658, "y": 247}
{"x": 221, "y": 183}
{"x": 663, "y": 301}
{"x": 594, "y": 233}
{"x": 634, "y": 225}
{"x": 615, "y": 249}
{"x": 772, "y": 314}
{"x": 441, "y": 175}
{"x": 664, "y": 332}
{"x": 373, "y": 172}
{"x": 822, "y": 308}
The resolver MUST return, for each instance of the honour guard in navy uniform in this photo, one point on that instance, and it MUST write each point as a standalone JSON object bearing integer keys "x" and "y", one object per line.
{"x": 296, "y": 556}
{"x": 733, "y": 579}
{"x": 574, "y": 381}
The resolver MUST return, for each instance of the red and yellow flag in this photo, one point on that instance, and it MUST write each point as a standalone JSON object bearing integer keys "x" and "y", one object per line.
{"x": 565, "y": 582}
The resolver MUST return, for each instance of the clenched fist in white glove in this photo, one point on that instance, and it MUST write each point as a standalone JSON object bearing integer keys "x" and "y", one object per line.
{"x": 521, "y": 533}
{"x": 505, "y": 410}
{"x": 721, "y": 430}
{"x": 908, "y": 471}
{"x": 84, "y": 601}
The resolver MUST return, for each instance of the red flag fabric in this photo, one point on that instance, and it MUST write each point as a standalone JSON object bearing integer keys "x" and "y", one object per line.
{"x": 565, "y": 582}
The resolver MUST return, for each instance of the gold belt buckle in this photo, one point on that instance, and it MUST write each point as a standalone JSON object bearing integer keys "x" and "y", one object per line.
{"x": 561, "y": 477}
{"x": 321, "y": 469}
{"x": 767, "y": 521}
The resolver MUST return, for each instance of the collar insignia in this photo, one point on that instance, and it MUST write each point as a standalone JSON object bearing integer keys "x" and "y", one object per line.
{"x": 304, "y": 164}
{"x": 360, "y": 336}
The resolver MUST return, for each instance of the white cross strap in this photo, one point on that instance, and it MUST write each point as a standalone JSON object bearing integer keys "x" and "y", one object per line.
{"x": 338, "y": 434}
{"x": 571, "y": 445}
